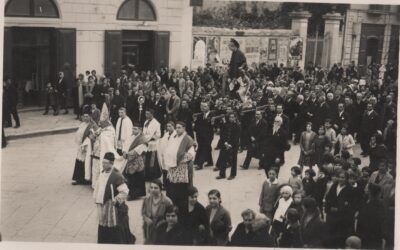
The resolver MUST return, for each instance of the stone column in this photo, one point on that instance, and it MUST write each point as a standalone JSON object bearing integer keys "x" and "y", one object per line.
{"x": 333, "y": 52}
{"x": 299, "y": 28}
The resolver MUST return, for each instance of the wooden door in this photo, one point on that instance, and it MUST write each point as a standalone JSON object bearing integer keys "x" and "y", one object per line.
{"x": 161, "y": 49}
{"x": 113, "y": 53}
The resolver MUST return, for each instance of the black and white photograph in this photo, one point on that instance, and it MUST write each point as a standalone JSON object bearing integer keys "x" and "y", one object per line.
{"x": 213, "y": 123}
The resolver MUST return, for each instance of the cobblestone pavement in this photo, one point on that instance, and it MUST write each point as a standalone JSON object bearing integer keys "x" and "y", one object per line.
{"x": 39, "y": 203}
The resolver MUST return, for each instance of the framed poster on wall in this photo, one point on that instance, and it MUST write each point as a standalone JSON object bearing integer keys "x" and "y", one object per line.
{"x": 273, "y": 49}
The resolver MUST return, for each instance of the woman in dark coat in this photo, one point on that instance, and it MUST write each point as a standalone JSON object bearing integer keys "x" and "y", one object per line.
{"x": 371, "y": 219}
{"x": 251, "y": 232}
{"x": 339, "y": 208}
{"x": 313, "y": 229}
{"x": 220, "y": 220}
{"x": 171, "y": 232}
{"x": 291, "y": 236}
{"x": 377, "y": 152}
{"x": 194, "y": 219}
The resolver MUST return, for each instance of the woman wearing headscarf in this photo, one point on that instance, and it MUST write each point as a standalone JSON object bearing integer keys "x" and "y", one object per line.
{"x": 153, "y": 210}
{"x": 281, "y": 207}
{"x": 194, "y": 219}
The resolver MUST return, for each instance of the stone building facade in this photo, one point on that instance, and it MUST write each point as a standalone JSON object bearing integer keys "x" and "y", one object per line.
{"x": 75, "y": 36}
{"x": 371, "y": 34}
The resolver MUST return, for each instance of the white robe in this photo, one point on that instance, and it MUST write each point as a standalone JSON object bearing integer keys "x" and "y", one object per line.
{"x": 84, "y": 149}
{"x": 152, "y": 130}
{"x": 126, "y": 130}
{"x": 161, "y": 146}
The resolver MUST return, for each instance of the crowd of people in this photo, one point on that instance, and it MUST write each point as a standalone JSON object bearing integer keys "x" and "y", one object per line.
{"x": 145, "y": 132}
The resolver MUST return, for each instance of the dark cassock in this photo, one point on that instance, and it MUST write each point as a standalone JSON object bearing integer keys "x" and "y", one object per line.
{"x": 177, "y": 158}
{"x": 82, "y": 172}
{"x": 230, "y": 135}
{"x": 238, "y": 60}
{"x": 133, "y": 152}
{"x": 116, "y": 103}
{"x": 186, "y": 115}
{"x": 98, "y": 94}
{"x": 204, "y": 136}
{"x": 152, "y": 133}
{"x": 369, "y": 126}
{"x": 160, "y": 112}
{"x": 110, "y": 194}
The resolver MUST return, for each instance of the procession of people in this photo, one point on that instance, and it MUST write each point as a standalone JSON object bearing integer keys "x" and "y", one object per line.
{"x": 148, "y": 132}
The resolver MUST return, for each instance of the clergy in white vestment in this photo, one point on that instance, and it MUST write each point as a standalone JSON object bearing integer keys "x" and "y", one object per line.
{"x": 178, "y": 160}
{"x": 162, "y": 145}
{"x": 152, "y": 133}
{"x": 110, "y": 194}
{"x": 82, "y": 175}
{"x": 105, "y": 136}
{"x": 123, "y": 129}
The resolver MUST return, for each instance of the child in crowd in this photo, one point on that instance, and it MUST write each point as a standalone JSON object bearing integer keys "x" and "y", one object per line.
{"x": 280, "y": 209}
{"x": 298, "y": 196}
{"x": 321, "y": 188}
{"x": 269, "y": 193}
{"x": 290, "y": 236}
{"x": 295, "y": 179}
{"x": 309, "y": 183}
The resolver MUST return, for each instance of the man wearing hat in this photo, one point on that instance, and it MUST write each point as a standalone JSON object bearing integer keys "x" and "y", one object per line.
{"x": 238, "y": 59}
{"x": 110, "y": 194}
{"x": 133, "y": 169}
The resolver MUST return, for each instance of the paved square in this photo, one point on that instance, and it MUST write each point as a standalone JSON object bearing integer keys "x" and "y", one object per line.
{"x": 39, "y": 203}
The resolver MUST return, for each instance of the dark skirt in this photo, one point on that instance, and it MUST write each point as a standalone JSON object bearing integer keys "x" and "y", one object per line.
{"x": 79, "y": 171}
{"x": 152, "y": 169}
{"x": 136, "y": 184}
{"x": 108, "y": 235}
{"x": 177, "y": 192}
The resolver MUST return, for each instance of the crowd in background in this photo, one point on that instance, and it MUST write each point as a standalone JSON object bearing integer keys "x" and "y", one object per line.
{"x": 329, "y": 200}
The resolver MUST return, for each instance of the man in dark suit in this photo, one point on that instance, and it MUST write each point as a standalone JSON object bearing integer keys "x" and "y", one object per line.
{"x": 275, "y": 146}
{"x": 229, "y": 147}
{"x": 203, "y": 128}
{"x": 172, "y": 106}
{"x": 300, "y": 117}
{"x": 359, "y": 108}
{"x": 257, "y": 132}
{"x": 160, "y": 112}
{"x": 369, "y": 126}
{"x": 322, "y": 111}
{"x": 10, "y": 101}
{"x": 341, "y": 118}
{"x": 61, "y": 93}
{"x": 285, "y": 118}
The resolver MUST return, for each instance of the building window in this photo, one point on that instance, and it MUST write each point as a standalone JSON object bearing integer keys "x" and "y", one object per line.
{"x": 142, "y": 10}
{"x": 31, "y": 8}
